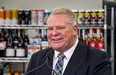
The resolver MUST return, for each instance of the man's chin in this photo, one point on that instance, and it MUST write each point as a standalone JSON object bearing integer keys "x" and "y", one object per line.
{"x": 56, "y": 48}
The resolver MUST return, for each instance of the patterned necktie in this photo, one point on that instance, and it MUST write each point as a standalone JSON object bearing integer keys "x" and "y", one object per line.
{"x": 59, "y": 64}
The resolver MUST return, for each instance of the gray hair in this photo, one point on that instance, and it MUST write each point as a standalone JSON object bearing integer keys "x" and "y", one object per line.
{"x": 69, "y": 13}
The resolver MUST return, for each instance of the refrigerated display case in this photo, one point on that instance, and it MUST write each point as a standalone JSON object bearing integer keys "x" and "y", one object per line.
{"x": 110, "y": 29}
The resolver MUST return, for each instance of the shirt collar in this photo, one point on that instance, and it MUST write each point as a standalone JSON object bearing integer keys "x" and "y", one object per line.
{"x": 68, "y": 53}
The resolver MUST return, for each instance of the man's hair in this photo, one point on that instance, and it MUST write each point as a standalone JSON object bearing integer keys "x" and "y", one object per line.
{"x": 69, "y": 13}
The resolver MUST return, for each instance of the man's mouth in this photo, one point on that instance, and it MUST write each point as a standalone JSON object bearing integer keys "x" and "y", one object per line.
{"x": 56, "y": 39}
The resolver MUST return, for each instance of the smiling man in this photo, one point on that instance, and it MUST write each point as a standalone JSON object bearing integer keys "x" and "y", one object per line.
{"x": 67, "y": 55}
{"x": 61, "y": 34}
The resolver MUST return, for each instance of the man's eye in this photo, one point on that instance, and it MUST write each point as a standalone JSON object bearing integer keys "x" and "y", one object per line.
{"x": 61, "y": 27}
{"x": 50, "y": 28}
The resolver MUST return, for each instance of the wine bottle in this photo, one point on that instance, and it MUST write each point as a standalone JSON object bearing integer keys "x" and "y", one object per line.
{"x": 26, "y": 43}
{"x": 10, "y": 52}
{"x": 20, "y": 52}
{"x": 2, "y": 45}
{"x": 44, "y": 42}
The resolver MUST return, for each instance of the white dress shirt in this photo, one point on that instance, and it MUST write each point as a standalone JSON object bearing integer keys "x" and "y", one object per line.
{"x": 68, "y": 53}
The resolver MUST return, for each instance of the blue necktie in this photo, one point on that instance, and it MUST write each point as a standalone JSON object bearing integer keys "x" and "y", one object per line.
{"x": 59, "y": 64}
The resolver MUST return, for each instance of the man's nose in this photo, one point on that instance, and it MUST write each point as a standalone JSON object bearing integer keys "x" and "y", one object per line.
{"x": 55, "y": 31}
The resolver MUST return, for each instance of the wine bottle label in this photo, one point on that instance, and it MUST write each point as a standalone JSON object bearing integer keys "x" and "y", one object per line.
{"x": 14, "y": 21}
{"x": 16, "y": 41}
{"x": 2, "y": 21}
{"x": 10, "y": 52}
{"x": 8, "y": 21}
{"x": 2, "y": 45}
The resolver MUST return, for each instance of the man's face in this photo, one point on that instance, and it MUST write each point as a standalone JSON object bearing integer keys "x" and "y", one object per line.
{"x": 60, "y": 34}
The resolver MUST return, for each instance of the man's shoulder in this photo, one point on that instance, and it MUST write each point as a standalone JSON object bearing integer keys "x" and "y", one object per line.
{"x": 92, "y": 50}
{"x": 43, "y": 51}
{"x": 97, "y": 52}
{"x": 97, "y": 55}
{"x": 93, "y": 53}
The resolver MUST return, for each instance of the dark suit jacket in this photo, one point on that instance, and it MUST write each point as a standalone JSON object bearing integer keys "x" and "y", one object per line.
{"x": 84, "y": 61}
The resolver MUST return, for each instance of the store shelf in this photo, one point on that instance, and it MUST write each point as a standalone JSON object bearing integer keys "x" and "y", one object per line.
{"x": 44, "y": 26}
{"x": 90, "y": 26}
{"x": 3, "y": 59}
{"x": 23, "y": 26}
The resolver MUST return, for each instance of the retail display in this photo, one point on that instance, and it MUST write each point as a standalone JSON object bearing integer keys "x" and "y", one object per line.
{"x": 18, "y": 47}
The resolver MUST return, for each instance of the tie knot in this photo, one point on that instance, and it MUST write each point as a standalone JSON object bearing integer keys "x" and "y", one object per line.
{"x": 61, "y": 56}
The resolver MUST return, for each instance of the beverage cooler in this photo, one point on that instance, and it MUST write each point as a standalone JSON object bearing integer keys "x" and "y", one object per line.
{"x": 110, "y": 29}
{"x": 16, "y": 42}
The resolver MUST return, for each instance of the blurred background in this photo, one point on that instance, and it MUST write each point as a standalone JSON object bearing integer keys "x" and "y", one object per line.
{"x": 23, "y": 29}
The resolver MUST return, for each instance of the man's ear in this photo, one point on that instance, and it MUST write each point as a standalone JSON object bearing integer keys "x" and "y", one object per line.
{"x": 75, "y": 28}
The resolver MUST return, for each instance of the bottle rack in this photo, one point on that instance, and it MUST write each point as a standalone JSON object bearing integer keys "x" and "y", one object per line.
{"x": 23, "y": 26}
{"x": 45, "y": 26}
{"x": 3, "y": 59}
{"x": 90, "y": 26}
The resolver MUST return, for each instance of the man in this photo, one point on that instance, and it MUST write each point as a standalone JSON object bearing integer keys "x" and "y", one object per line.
{"x": 78, "y": 58}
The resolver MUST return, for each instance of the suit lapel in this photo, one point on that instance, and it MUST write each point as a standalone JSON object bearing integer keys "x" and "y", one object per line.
{"x": 50, "y": 62}
{"x": 51, "y": 53}
{"x": 76, "y": 60}
{"x": 45, "y": 70}
{"x": 74, "y": 64}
